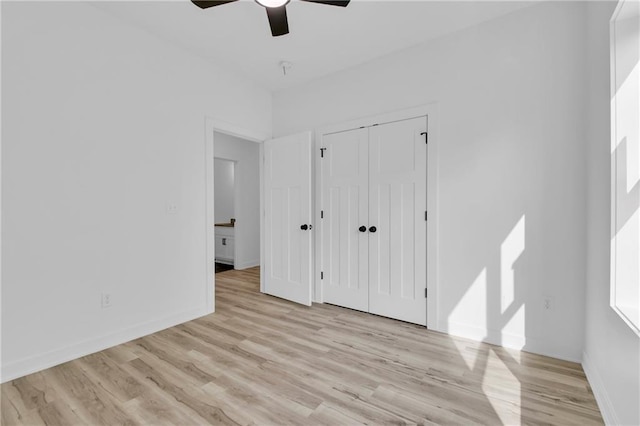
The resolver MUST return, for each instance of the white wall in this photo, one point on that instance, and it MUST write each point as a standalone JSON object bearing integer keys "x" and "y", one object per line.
{"x": 612, "y": 350}
{"x": 224, "y": 189}
{"x": 511, "y": 96}
{"x": 103, "y": 127}
{"x": 246, "y": 154}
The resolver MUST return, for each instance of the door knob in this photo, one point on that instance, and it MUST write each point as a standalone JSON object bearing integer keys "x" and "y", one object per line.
{"x": 373, "y": 229}
{"x": 304, "y": 227}
{"x": 362, "y": 229}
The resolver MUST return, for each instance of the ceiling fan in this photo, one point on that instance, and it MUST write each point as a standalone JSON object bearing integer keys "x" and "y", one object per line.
{"x": 276, "y": 11}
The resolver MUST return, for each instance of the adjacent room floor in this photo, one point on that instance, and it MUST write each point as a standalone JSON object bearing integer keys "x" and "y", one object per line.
{"x": 263, "y": 360}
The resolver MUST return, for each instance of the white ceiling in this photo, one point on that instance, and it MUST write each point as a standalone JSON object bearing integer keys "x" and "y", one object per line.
{"x": 322, "y": 39}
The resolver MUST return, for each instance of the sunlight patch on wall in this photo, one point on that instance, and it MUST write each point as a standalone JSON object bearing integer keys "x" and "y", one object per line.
{"x": 628, "y": 130}
{"x": 472, "y": 306}
{"x": 513, "y": 332}
{"x": 633, "y": 141}
{"x": 510, "y": 250}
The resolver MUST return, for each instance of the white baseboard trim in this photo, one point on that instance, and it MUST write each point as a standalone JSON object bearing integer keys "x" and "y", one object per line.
{"x": 245, "y": 265}
{"x": 599, "y": 391}
{"x": 55, "y": 357}
{"x": 510, "y": 341}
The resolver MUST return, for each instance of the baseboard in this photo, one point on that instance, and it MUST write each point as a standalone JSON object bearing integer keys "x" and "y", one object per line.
{"x": 50, "y": 359}
{"x": 245, "y": 265}
{"x": 510, "y": 341}
{"x": 599, "y": 391}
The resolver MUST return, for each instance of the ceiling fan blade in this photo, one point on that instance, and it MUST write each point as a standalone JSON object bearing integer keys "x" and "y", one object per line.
{"x": 278, "y": 20}
{"x": 206, "y": 4}
{"x": 340, "y": 3}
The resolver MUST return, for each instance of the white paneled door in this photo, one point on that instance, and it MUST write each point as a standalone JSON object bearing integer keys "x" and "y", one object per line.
{"x": 288, "y": 227}
{"x": 345, "y": 218}
{"x": 397, "y": 206}
{"x": 374, "y": 233}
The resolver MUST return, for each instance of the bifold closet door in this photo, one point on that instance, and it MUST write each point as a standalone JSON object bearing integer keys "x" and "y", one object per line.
{"x": 397, "y": 205}
{"x": 288, "y": 227}
{"x": 345, "y": 208}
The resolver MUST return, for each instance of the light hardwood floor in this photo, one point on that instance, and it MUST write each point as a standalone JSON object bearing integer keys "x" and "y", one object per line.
{"x": 263, "y": 360}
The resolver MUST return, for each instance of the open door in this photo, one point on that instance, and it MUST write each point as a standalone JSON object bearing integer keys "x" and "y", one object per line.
{"x": 288, "y": 228}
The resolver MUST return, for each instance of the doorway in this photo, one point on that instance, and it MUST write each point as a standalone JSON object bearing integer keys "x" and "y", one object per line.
{"x": 236, "y": 218}
{"x": 243, "y": 146}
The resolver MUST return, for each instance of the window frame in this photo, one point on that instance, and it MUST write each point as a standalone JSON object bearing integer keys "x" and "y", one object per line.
{"x": 633, "y": 324}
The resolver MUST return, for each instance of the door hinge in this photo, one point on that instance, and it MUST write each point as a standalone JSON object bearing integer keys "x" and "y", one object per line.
{"x": 321, "y": 214}
{"x": 322, "y": 275}
{"x": 322, "y": 152}
{"x": 426, "y": 137}
{"x": 425, "y": 215}
{"x": 425, "y": 293}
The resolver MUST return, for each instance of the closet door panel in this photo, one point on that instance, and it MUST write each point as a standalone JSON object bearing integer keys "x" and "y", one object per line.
{"x": 344, "y": 169}
{"x": 397, "y": 204}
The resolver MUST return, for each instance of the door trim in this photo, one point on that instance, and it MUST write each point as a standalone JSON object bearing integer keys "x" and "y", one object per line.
{"x": 212, "y": 125}
{"x": 431, "y": 112}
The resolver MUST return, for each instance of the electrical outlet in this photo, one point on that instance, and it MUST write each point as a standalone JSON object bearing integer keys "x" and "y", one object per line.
{"x": 106, "y": 300}
{"x": 548, "y": 303}
{"x": 172, "y": 208}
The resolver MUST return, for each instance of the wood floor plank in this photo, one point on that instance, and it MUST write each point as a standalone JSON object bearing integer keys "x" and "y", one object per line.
{"x": 60, "y": 413}
{"x": 14, "y": 412}
{"x": 182, "y": 392}
{"x": 108, "y": 374}
{"x": 261, "y": 360}
{"x": 86, "y": 398}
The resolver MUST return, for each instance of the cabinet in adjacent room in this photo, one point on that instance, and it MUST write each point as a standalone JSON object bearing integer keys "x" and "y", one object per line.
{"x": 225, "y": 245}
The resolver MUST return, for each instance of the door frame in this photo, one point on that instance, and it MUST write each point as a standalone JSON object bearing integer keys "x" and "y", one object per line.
{"x": 212, "y": 125}
{"x": 431, "y": 113}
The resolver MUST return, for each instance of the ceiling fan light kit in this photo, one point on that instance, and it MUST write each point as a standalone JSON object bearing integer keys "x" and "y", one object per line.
{"x": 272, "y": 3}
{"x": 276, "y": 11}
